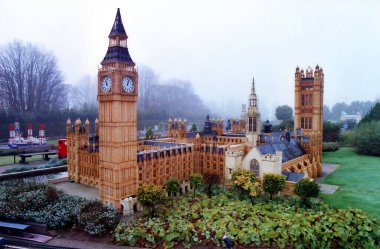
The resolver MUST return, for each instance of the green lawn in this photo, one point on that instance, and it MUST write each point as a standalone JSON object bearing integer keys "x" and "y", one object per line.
{"x": 4, "y": 160}
{"x": 55, "y": 142}
{"x": 359, "y": 178}
{"x": 9, "y": 159}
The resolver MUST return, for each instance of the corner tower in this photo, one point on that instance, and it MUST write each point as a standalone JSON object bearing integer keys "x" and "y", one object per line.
{"x": 117, "y": 96}
{"x": 308, "y": 111}
{"x": 252, "y": 123}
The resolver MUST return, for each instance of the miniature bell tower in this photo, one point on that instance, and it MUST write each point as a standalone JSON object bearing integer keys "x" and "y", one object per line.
{"x": 117, "y": 96}
{"x": 252, "y": 123}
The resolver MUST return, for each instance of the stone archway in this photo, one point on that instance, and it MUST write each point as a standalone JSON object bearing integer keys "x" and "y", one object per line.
{"x": 255, "y": 167}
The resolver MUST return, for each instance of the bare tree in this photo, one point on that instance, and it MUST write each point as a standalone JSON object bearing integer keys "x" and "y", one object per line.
{"x": 83, "y": 94}
{"x": 30, "y": 79}
{"x": 147, "y": 81}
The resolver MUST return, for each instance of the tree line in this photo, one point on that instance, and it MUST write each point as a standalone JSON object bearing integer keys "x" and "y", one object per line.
{"x": 33, "y": 90}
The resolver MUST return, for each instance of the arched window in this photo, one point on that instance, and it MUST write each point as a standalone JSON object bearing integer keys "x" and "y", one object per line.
{"x": 255, "y": 167}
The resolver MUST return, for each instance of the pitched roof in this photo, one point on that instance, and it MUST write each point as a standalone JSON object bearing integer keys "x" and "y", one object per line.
{"x": 117, "y": 54}
{"x": 290, "y": 150}
{"x": 293, "y": 176}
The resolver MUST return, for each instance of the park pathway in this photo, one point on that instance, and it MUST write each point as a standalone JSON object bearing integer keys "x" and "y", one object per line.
{"x": 327, "y": 169}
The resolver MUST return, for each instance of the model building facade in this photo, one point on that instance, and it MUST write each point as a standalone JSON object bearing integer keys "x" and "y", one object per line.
{"x": 116, "y": 163}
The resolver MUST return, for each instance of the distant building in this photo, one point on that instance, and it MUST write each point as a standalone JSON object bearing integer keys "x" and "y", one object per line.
{"x": 114, "y": 161}
{"x": 344, "y": 117}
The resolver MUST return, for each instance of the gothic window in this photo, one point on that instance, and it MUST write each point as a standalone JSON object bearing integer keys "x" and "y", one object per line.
{"x": 302, "y": 123}
{"x": 254, "y": 124}
{"x": 255, "y": 167}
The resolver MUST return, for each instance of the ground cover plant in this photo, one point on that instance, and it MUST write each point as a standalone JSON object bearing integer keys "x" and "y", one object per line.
{"x": 22, "y": 201}
{"x": 278, "y": 223}
{"x": 54, "y": 162}
{"x": 358, "y": 177}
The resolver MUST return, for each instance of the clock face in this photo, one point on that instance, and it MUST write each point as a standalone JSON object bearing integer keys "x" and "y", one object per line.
{"x": 106, "y": 84}
{"x": 128, "y": 85}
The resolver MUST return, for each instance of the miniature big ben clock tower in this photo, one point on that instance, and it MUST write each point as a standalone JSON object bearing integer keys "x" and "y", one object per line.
{"x": 117, "y": 96}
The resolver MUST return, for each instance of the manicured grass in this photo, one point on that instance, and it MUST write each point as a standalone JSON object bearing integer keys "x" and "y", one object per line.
{"x": 9, "y": 159}
{"x": 359, "y": 178}
{"x": 4, "y": 160}
{"x": 54, "y": 142}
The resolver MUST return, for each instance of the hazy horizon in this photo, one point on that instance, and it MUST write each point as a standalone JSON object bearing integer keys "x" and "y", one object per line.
{"x": 216, "y": 45}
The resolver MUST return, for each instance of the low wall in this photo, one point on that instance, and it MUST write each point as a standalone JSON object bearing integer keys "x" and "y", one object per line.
{"x": 288, "y": 189}
{"x": 35, "y": 172}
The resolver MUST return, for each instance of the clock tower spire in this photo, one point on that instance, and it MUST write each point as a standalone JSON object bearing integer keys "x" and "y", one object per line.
{"x": 117, "y": 96}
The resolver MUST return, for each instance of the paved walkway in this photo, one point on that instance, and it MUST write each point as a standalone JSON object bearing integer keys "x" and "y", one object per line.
{"x": 83, "y": 244}
{"x": 327, "y": 170}
{"x": 77, "y": 189}
{"x": 17, "y": 165}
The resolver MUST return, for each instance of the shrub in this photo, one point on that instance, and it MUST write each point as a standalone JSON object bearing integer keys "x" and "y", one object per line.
{"x": 28, "y": 201}
{"x": 172, "y": 186}
{"x": 331, "y": 131}
{"x": 245, "y": 182}
{"x": 273, "y": 183}
{"x": 195, "y": 181}
{"x": 150, "y": 195}
{"x": 330, "y": 146}
{"x": 211, "y": 179}
{"x": 97, "y": 218}
{"x": 306, "y": 189}
{"x": 366, "y": 138}
{"x": 61, "y": 214}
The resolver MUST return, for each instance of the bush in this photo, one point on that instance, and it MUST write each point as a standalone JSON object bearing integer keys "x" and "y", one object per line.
{"x": 150, "y": 195}
{"x": 61, "y": 214}
{"x": 330, "y": 146}
{"x": 331, "y": 131}
{"x": 306, "y": 189}
{"x": 273, "y": 183}
{"x": 211, "y": 179}
{"x": 172, "y": 186}
{"x": 245, "y": 182}
{"x": 97, "y": 218}
{"x": 195, "y": 181}
{"x": 28, "y": 201}
{"x": 366, "y": 138}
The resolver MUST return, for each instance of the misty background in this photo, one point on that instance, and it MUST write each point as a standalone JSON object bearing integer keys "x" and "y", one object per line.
{"x": 209, "y": 50}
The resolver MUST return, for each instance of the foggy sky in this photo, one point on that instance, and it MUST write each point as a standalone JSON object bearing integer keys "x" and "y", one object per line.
{"x": 218, "y": 45}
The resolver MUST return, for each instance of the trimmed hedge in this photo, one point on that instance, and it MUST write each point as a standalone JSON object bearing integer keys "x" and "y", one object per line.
{"x": 330, "y": 146}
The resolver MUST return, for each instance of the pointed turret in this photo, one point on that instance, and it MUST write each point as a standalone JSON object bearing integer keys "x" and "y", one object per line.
{"x": 252, "y": 122}
{"x": 118, "y": 27}
{"x": 252, "y": 96}
{"x": 253, "y": 92}
{"x": 117, "y": 48}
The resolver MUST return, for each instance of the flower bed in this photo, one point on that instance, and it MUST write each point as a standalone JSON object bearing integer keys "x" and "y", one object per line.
{"x": 21, "y": 201}
{"x": 279, "y": 223}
